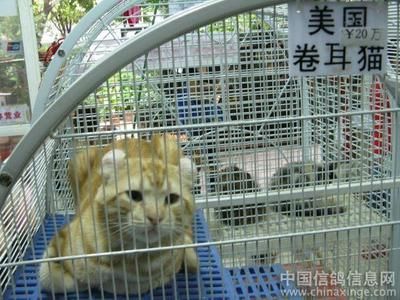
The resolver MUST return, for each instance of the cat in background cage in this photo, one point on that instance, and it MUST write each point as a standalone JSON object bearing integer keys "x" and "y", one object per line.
{"x": 305, "y": 174}
{"x": 233, "y": 180}
{"x": 133, "y": 194}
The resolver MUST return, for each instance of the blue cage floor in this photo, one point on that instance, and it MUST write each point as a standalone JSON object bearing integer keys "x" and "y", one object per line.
{"x": 262, "y": 282}
{"x": 211, "y": 282}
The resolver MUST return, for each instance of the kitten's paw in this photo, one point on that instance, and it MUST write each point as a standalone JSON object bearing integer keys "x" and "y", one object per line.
{"x": 190, "y": 260}
{"x": 54, "y": 278}
{"x": 190, "y": 257}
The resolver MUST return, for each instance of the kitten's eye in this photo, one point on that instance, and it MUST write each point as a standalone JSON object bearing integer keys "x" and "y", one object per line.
{"x": 135, "y": 195}
{"x": 172, "y": 198}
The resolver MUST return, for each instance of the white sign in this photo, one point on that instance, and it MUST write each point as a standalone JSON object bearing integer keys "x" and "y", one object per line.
{"x": 8, "y": 8}
{"x": 14, "y": 114}
{"x": 337, "y": 38}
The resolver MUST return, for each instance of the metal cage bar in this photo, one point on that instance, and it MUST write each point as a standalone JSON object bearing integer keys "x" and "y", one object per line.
{"x": 302, "y": 172}
{"x": 94, "y": 18}
{"x": 137, "y": 46}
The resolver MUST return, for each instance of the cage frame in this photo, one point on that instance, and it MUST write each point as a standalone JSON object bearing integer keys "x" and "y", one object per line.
{"x": 176, "y": 25}
{"x": 94, "y": 22}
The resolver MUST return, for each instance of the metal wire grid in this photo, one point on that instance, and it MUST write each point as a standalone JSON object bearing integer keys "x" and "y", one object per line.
{"x": 73, "y": 66}
{"x": 201, "y": 90}
{"x": 86, "y": 51}
{"x": 240, "y": 92}
{"x": 104, "y": 35}
{"x": 393, "y": 42}
{"x": 236, "y": 143}
{"x": 238, "y": 82}
{"x": 23, "y": 211}
{"x": 372, "y": 206}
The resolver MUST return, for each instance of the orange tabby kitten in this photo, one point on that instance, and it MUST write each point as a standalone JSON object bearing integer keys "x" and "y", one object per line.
{"x": 134, "y": 194}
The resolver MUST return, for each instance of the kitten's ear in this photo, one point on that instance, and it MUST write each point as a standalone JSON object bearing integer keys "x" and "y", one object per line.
{"x": 166, "y": 147}
{"x": 112, "y": 160}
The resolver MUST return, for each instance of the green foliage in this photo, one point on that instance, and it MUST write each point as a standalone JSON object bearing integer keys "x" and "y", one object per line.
{"x": 125, "y": 91}
{"x": 39, "y": 18}
{"x": 67, "y": 13}
{"x": 151, "y": 8}
{"x": 13, "y": 80}
{"x": 10, "y": 28}
{"x": 86, "y": 4}
{"x": 12, "y": 67}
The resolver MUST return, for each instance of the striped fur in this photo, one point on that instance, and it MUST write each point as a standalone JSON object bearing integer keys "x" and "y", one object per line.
{"x": 134, "y": 194}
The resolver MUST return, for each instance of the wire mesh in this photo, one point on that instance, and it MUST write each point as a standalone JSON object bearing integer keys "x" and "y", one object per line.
{"x": 292, "y": 174}
{"x": 23, "y": 211}
{"x": 121, "y": 21}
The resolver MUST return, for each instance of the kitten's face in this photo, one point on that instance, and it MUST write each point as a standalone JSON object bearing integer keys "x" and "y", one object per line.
{"x": 149, "y": 201}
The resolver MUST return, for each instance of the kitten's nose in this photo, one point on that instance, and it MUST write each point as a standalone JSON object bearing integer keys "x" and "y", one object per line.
{"x": 154, "y": 220}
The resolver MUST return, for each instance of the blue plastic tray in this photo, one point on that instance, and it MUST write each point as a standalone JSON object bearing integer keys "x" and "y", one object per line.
{"x": 262, "y": 282}
{"x": 209, "y": 283}
{"x": 212, "y": 281}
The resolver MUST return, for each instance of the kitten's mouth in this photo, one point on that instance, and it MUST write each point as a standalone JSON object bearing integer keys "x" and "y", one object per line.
{"x": 158, "y": 231}
{"x": 153, "y": 234}
{"x": 148, "y": 231}
{"x": 145, "y": 231}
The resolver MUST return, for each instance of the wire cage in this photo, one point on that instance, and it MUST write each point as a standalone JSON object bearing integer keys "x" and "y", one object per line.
{"x": 288, "y": 185}
{"x": 103, "y": 29}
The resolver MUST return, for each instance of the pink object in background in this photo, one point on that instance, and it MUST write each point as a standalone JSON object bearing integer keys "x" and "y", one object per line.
{"x": 133, "y": 15}
{"x": 382, "y": 134}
